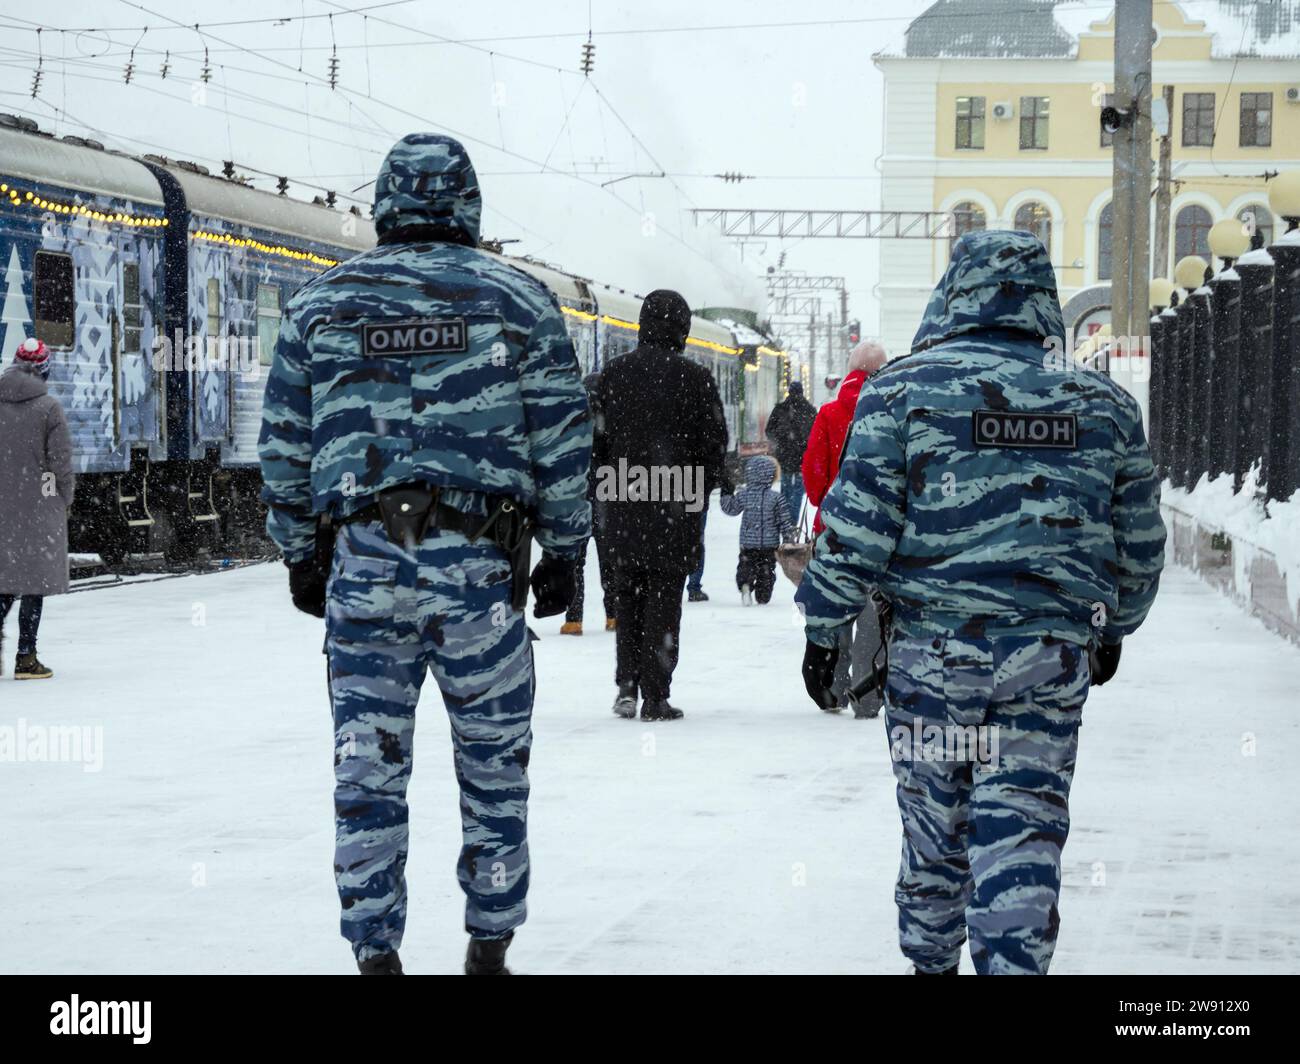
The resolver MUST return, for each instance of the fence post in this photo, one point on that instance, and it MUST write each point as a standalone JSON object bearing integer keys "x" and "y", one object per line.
{"x": 1281, "y": 470}
{"x": 1256, "y": 271}
{"x": 1155, "y": 394}
{"x": 1201, "y": 406}
{"x": 1225, "y": 361}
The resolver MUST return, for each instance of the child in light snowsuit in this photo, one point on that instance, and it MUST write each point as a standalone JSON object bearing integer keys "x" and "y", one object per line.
{"x": 764, "y": 525}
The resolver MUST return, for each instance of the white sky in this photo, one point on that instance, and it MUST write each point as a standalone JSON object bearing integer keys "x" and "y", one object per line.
{"x": 798, "y": 106}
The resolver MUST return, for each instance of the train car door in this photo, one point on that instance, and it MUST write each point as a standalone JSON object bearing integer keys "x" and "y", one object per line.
{"x": 209, "y": 390}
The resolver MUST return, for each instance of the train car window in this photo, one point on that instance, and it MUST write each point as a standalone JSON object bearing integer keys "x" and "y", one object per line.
{"x": 132, "y": 308}
{"x": 214, "y": 312}
{"x": 268, "y": 321}
{"x": 54, "y": 288}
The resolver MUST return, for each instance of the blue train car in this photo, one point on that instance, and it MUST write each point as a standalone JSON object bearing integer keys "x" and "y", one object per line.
{"x": 82, "y": 234}
{"x": 235, "y": 255}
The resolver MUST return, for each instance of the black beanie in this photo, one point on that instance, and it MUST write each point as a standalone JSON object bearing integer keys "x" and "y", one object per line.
{"x": 665, "y": 320}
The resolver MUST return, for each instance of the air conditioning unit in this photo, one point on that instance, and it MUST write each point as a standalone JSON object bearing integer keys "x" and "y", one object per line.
{"x": 1003, "y": 110}
{"x": 1293, "y": 94}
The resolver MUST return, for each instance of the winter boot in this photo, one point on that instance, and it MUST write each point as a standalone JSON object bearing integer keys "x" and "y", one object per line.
{"x": 26, "y": 667}
{"x": 746, "y": 596}
{"x": 946, "y": 971}
{"x": 571, "y": 628}
{"x": 696, "y": 596}
{"x": 625, "y": 703}
{"x": 381, "y": 964}
{"x": 611, "y": 623}
{"x": 659, "y": 709}
{"x": 487, "y": 956}
{"x": 867, "y": 708}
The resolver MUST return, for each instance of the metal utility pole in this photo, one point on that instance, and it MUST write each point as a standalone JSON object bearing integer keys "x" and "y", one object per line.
{"x": 1164, "y": 190}
{"x": 1130, "y": 316}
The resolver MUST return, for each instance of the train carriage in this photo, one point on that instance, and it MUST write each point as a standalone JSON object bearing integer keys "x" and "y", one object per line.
{"x": 81, "y": 245}
{"x": 159, "y": 289}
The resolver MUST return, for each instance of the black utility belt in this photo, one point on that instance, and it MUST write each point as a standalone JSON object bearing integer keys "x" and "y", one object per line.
{"x": 435, "y": 515}
{"x": 408, "y": 512}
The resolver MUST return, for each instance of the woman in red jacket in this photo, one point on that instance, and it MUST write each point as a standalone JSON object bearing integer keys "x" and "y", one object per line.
{"x": 821, "y": 463}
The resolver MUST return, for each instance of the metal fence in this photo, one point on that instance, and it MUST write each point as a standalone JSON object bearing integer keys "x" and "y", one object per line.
{"x": 1225, "y": 374}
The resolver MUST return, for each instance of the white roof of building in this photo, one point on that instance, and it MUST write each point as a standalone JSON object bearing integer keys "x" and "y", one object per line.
{"x": 1265, "y": 29}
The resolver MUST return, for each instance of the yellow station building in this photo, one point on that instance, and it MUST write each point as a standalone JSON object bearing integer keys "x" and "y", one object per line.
{"x": 992, "y": 108}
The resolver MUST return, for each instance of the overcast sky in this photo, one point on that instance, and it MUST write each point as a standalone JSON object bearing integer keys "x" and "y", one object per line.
{"x": 798, "y": 106}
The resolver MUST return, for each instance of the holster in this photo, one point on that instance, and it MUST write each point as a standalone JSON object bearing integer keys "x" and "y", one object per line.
{"x": 511, "y": 529}
{"x": 405, "y": 513}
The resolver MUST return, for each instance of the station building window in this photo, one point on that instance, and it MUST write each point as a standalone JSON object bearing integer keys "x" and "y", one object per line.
{"x": 1033, "y": 217}
{"x": 1256, "y": 122}
{"x": 967, "y": 217}
{"x": 1105, "y": 241}
{"x": 970, "y": 122}
{"x": 1034, "y": 113}
{"x": 1198, "y": 119}
{"x": 1192, "y": 232}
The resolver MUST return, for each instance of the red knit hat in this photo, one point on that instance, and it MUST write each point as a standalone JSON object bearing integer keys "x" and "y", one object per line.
{"x": 32, "y": 352}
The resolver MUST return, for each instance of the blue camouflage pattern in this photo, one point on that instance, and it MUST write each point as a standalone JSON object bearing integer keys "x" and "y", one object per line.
{"x": 476, "y": 390}
{"x": 983, "y": 826}
{"x": 391, "y": 614}
{"x": 1066, "y": 543}
{"x": 1003, "y": 564}
{"x": 506, "y": 417}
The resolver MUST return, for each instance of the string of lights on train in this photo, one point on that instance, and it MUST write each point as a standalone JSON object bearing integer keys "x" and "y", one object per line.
{"x": 631, "y": 326}
{"x": 21, "y": 197}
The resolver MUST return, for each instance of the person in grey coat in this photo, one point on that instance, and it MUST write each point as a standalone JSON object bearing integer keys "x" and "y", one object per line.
{"x": 36, "y": 487}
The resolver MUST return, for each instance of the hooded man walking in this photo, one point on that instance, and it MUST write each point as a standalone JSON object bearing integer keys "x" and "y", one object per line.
{"x": 36, "y": 489}
{"x": 425, "y": 404}
{"x": 659, "y": 446}
{"x": 1004, "y": 501}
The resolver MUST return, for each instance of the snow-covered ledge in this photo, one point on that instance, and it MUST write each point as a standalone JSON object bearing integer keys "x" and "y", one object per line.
{"x": 1239, "y": 544}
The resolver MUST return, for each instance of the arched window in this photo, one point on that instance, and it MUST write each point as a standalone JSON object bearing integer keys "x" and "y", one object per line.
{"x": 1192, "y": 232}
{"x": 1258, "y": 216}
{"x": 1034, "y": 218}
{"x": 966, "y": 218}
{"x": 1105, "y": 241}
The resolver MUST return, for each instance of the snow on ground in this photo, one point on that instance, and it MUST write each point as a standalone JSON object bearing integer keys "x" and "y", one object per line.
{"x": 757, "y": 835}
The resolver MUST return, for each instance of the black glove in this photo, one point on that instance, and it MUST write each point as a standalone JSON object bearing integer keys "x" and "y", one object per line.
{"x": 553, "y": 585}
{"x": 819, "y": 674}
{"x": 1103, "y": 660}
{"x": 307, "y": 581}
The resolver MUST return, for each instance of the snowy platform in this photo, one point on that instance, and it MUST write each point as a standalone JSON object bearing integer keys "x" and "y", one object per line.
{"x": 757, "y": 835}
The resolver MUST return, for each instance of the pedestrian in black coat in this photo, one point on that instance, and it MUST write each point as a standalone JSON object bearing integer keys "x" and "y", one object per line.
{"x": 658, "y": 453}
{"x": 788, "y": 428}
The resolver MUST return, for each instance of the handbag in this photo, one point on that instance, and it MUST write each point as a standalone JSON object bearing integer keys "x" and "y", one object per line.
{"x": 794, "y": 557}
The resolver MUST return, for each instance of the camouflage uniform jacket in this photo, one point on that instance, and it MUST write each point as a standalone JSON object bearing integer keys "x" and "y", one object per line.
{"x": 425, "y": 360}
{"x": 988, "y": 484}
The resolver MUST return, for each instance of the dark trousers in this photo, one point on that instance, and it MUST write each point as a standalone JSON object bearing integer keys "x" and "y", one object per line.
{"x": 697, "y": 577}
{"x": 649, "y": 612}
{"x": 757, "y": 568}
{"x": 606, "y": 580}
{"x": 29, "y": 619}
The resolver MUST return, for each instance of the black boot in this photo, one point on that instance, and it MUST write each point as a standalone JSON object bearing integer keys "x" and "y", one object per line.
{"x": 659, "y": 709}
{"x": 625, "y": 703}
{"x": 381, "y": 964}
{"x": 487, "y": 956}
{"x": 696, "y": 596}
{"x": 26, "y": 667}
{"x": 946, "y": 971}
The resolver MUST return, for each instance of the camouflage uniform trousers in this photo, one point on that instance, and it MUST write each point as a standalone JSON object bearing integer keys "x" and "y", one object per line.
{"x": 983, "y": 831}
{"x": 390, "y": 615}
